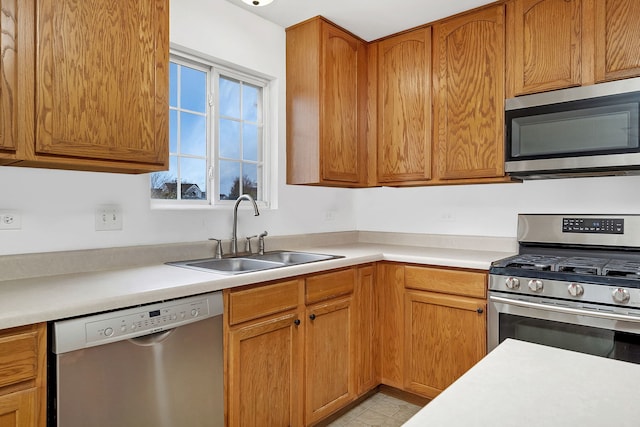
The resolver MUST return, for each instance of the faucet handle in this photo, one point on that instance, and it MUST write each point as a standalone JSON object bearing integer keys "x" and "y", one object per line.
{"x": 261, "y": 242}
{"x": 218, "y": 247}
{"x": 247, "y": 244}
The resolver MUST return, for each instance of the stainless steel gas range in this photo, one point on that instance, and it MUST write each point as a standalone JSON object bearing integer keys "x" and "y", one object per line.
{"x": 575, "y": 284}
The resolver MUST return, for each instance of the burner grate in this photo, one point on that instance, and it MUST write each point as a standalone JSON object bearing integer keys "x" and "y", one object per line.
{"x": 582, "y": 265}
{"x": 533, "y": 262}
{"x": 622, "y": 268}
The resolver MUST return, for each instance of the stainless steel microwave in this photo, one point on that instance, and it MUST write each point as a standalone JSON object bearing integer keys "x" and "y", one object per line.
{"x": 582, "y": 131}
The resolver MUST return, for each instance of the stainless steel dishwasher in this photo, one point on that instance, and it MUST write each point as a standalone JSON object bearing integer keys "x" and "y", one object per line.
{"x": 153, "y": 365}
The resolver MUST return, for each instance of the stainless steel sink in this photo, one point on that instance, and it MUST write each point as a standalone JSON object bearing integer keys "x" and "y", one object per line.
{"x": 293, "y": 258}
{"x": 256, "y": 262}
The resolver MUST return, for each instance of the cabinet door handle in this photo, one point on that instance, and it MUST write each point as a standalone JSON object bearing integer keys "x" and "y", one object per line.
{"x": 312, "y": 317}
{"x": 480, "y": 310}
{"x": 296, "y": 322}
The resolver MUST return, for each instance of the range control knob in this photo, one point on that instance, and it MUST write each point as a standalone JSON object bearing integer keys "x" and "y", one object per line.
{"x": 620, "y": 295}
{"x": 575, "y": 290}
{"x": 535, "y": 285}
{"x": 108, "y": 332}
{"x": 512, "y": 283}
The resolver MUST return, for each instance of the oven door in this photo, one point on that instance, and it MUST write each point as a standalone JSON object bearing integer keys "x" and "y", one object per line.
{"x": 586, "y": 328}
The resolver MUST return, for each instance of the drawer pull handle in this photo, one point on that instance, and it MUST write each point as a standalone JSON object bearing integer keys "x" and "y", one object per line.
{"x": 480, "y": 310}
{"x": 296, "y": 322}
{"x": 312, "y": 317}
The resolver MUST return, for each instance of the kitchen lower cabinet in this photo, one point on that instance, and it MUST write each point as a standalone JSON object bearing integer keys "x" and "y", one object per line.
{"x": 23, "y": 376}
{"x": 290, "y": 347}
{"x": 444, "y": 326}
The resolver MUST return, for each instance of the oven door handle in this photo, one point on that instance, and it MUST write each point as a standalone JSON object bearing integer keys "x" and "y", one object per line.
{"x": 566, "y": 310}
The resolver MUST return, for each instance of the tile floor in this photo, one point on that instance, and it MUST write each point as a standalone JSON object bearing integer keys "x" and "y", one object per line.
{"x": 378, "y": 410}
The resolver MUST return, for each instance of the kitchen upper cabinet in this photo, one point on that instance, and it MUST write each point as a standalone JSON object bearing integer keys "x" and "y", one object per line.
{"x": 23, "y": 394}
{"x": 95, "y": 85}
{"x": 326, "y": 105}
{"x": 617, "y": 39}
{"x": 445, "y": 326}
{"x": 469, "y": 55}
{"x": 555, "y": 44}
{"x": 10, "y": 69}
{"x": 404, "y": 108}
{"x": 544, "y": 45}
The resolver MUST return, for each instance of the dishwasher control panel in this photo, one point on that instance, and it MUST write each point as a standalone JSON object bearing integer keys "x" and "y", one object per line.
{"x": 133, "y": 322}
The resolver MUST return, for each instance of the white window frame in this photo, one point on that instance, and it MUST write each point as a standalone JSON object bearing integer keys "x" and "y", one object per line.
{"x": 214, "y": 70}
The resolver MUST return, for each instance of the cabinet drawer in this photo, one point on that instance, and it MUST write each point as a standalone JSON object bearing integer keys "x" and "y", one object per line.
{"x": 262, "y": 301}
{"x": 456, "y": 282}
{"x": 18, "y": 356}
{"x": 329, "y": 285}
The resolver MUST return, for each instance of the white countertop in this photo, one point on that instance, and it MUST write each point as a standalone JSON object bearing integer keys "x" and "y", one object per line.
{"x": 524, "y": 384}
{"x": 40, "y": 299}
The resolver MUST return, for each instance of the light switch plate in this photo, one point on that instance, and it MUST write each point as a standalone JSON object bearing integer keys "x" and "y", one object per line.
{"x": 108, "y": 218}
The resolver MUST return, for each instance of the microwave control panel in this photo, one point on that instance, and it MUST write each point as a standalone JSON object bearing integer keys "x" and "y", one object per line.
{"x": 593, "y": 225}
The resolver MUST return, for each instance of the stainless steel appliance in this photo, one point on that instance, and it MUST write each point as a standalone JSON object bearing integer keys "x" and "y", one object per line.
{"x": 575, "y": 284}
{"x": 153, "y": 365}
{"x": 582, "y": 131}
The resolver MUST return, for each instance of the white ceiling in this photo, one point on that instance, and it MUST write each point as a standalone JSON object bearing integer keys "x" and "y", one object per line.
{"x": 368, "y": 19}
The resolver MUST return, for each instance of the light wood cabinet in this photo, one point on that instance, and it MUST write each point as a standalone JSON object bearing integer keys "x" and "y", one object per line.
{"x": 13, "y": 44}
{"x": 617, "y": 39}
{"x": 94, "y": 86}
{"x": 291, "y": 347}
{"x": 469, "y": 95}
{"x": 554, "y": 44}
{"x": 23, "y": 376}
{"x": 326, "y": 105}
{"x": 404, "y": 108}
{"x": 365, "y": 299}
{"x": 444, "y": 334}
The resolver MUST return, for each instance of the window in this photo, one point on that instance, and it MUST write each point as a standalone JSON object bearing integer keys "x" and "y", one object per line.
{"x": 217, "y": 136}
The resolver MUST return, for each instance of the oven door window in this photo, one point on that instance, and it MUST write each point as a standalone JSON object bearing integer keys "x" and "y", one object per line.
{"x": 584, "y": 339}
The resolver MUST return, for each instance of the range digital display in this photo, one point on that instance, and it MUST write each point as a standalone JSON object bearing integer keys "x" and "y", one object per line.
{"x": 593, "y": 225}
{"x": 154, "y": 313}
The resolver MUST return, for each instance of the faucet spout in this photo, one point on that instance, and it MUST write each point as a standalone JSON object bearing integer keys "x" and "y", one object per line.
{"x": 234, "y": 237}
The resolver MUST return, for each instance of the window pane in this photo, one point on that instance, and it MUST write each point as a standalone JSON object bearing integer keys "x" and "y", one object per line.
{"x": 229, "y": 98}
{"x": 250, "y": 179}
{"x": 250, "y": 142}
{"x": 173, "y": 131}
{"x": 229, "y": 139}
{"x": 229, "y": 180}
{"x": 250, "y": 101}
{"x": 193, "y": 173}
{"x": 193, "y": 134}
{"x": 193, "y": 89}
{"x": 163, "y": 184}
{"x": 173, "y": 84}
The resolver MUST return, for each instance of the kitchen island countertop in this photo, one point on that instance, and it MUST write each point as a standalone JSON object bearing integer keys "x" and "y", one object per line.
{"x": 41, "y": 299}
{"x": 525, "y": 384}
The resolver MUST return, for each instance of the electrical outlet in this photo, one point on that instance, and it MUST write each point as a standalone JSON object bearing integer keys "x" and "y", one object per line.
{"x": 108, "y": 218}
{"x": 10, "y": 220}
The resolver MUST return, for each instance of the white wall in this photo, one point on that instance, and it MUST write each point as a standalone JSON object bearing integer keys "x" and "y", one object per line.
{"x": 57, "y": 207}
{"x": 491, "y": 210}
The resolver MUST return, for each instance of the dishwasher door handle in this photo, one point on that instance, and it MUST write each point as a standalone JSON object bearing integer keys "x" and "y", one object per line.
{"x": 151, "y": 339}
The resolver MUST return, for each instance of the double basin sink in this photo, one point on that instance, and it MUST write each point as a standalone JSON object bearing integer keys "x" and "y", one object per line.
{"x": 256, "y": 262}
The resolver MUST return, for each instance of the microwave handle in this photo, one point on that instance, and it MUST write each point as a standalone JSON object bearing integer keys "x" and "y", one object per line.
{"x": 565, "y": 310}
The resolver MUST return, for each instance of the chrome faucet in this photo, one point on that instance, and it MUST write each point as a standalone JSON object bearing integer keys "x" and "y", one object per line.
{"x": 234, "y": 237}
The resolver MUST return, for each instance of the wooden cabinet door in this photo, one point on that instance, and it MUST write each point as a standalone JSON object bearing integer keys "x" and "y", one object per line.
{"x": 343, "y": 100}
{"x": 404, "y": 108}
{"x": 329, "y": 358}
{"x": 367, "y": 355}
{"x": 102, "y": 82}
{"x": 617, "y": 39}
{"x": 263, "y": 384}
{"x": 445, "y": 335}
{"x": 469, "y": 91}
{"x": 9, "y": 96}
{"x": 544, "y": 45}
{"x": 19, "y": 409}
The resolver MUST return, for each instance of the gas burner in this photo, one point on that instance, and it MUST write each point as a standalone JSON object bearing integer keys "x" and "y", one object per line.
{"x": 582, "y": 265}
{"x": 622, "y": 268}
{"x": 533, "y": 262}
